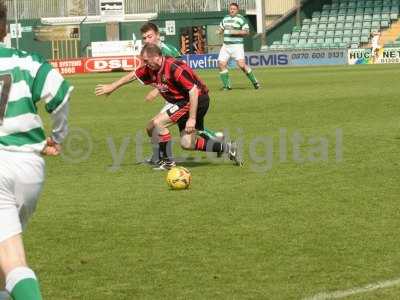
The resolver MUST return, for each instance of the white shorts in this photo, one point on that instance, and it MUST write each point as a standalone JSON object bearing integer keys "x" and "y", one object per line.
{"x": 166, "y": 107}
{"x": 235, "y": 51}
{"x": 21, "y": 181}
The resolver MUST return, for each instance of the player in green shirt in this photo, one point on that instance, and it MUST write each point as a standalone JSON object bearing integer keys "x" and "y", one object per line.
{"x": 234, "y": 27}
{"x": 25, "y": 79}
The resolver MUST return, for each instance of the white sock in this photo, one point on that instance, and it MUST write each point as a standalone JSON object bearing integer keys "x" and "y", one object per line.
{"x": 4, "y": 295}
{"x": 17, "y": 275}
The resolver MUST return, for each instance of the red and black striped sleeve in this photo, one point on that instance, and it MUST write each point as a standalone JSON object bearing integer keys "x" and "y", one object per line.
{"x": 143, "y": 75}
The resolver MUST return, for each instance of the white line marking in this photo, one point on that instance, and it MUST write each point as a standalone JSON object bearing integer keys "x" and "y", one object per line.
{"x": 357, "y": 290}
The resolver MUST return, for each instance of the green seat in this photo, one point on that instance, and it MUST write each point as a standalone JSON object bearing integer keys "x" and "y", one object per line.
{"x": 338, "y": 33}
{"x": 367, "y": 24}
{"x": 322, "y": 26}
{"x": 369, "y": 10}
{"x": 335, "y": 5}
{"x": 331, "y": 25}
{"x": 303, "y": 34}
{"x": 394, "y": 16}
{"x": 332, "y": 19}
{"x": 296, "y": 29}
{"x": 369, "y": 4}
{"x": 295, "y": 34}
{"x": 348, "y": 25}
{"x": 315, "y": 20}
{"x": 376, "y": 24}
{"x": 367, "y": 17}
{"x": 323, "y": 19}
{"x": 286, "y": 37}
{"x": 365, "y": 31}
{"x": 329, "y": 40}
{"x": 351, "y": 11}
{"x": 377, "y": 10}
{"x": 347, "y": 32}
{"x": 337, "y": 40}
{"x": 358, "y": 18}
{"x": 306, "y": 21}
{"x": 341, "y": 18}
{"x": 376, "y": 17}
{"x": 324, "y": 13}
{"x": 333, "y": 12}
{"x": 330, "y": 33}
{"x": 305, "y": 27}
{"x": 320, "y": 40}
{"x": 385, "y": 24}
{"x": 346, "y": 39}
{"x": 349, "y": 18}
{"x": 311, "y": 41}
{"x": 364, "y": 39}
{"x": 321, "y": 33}
{"x": 339, "y": 25}
{"x": 358, "y": 25}
{"x": 357, "y": 32}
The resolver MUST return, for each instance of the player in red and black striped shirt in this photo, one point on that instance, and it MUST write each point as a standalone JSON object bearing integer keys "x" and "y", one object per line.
{"x": 181, "y": 86}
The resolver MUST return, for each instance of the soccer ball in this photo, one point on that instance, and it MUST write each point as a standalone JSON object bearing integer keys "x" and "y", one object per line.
{"x": 179, "y": 178}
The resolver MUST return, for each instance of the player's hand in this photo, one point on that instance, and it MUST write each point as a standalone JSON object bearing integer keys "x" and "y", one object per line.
{"x": 51, "y": 148}
{"x": 104, "y": 89}
{"x": 190, "y": 126}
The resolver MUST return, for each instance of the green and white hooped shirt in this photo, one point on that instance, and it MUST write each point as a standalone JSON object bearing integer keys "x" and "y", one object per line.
{"x": 25, "y": 79}
{"x": 229, "y": 23}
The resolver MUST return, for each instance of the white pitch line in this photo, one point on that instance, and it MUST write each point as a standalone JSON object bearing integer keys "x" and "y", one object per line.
{"x": 357, "y": 290}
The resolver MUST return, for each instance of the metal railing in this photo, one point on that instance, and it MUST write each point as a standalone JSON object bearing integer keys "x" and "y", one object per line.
{"x": 36, "y": 9}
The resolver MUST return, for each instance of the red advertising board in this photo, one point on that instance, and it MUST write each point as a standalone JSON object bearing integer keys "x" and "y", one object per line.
{"x": 70, "y": 66}
{"x": 96, "y": 64}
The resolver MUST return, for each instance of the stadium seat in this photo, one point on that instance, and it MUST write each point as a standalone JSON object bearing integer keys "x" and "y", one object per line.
{"x": 358, "y": 18}
{"x": 306, "y": 21}
{"x": 358, "y": 25}
{"x": 364, "y": 39}
{"x": 347, "y": 32}
{"x": 331, "y": 25}
{"x": 339, "y": 25}
{"x": 304, "y": 34}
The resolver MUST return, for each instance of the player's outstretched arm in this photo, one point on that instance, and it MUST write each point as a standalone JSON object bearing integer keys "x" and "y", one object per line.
{"x": 106, "y": 89}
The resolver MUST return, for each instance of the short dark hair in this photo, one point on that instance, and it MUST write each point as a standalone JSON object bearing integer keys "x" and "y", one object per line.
{"x": 149, "y": 26}
{"x": 3, "y": 20}
{"x": 234, "y": 4}
{"x": 151, "y": 50}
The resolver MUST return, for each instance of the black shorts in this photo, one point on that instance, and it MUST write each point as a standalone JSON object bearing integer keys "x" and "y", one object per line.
{"x": 179, "y": 113}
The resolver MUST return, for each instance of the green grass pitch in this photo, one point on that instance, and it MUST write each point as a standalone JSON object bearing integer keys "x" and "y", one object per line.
{"x": 300, "y": 218}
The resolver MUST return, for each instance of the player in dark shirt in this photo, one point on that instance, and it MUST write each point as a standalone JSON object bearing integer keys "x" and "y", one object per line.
{"x": 179, "y": 85}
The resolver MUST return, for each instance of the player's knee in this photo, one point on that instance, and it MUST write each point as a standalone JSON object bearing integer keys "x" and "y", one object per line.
{"x": 222, "y": 65}
{"x": 186, "y": 144}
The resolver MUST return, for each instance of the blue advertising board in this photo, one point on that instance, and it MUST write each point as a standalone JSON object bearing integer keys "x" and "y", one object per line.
{"x": 274, "y": 58}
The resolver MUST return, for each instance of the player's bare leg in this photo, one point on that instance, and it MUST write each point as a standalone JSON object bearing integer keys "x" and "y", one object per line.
{"x": 249, "y": 73}
{"x": 224, "y": 75}
{"x": 21, "y": 282}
